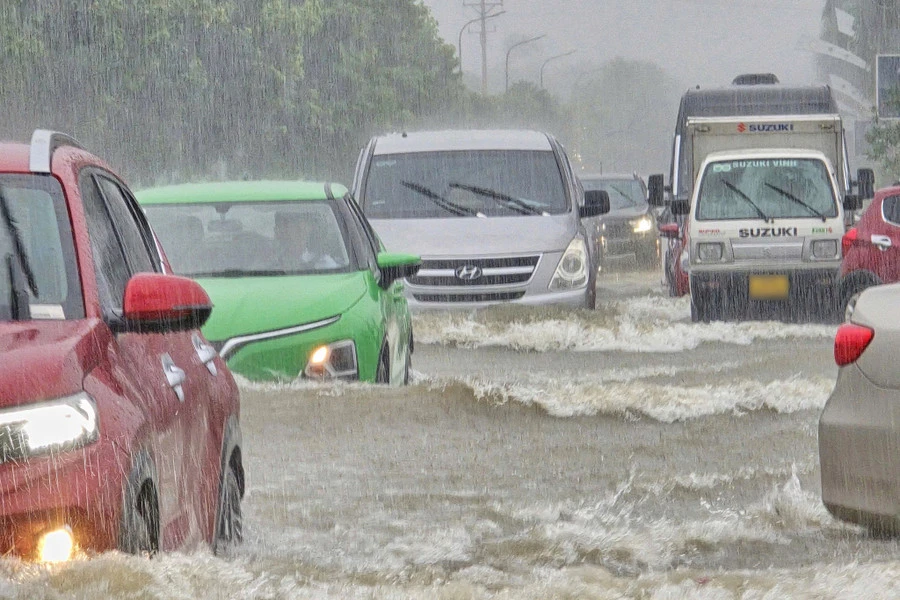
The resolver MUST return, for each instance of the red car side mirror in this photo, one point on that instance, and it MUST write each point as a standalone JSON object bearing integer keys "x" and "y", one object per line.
{"x": 155, "y": 302}
{"x": 669, "y": 230}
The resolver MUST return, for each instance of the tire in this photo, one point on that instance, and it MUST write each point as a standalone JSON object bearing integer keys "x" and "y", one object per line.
{"x": 229, "y": 516}
{"x": 383, "y": 369}
{"x": 407, "y": 369}
{"x": 851, "y": 289}
{"x": 139, "y": 531}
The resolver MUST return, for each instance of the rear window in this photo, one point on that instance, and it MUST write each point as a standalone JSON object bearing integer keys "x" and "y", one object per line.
{"x": 482, "y": 183}
{"x": 890, "y": 208}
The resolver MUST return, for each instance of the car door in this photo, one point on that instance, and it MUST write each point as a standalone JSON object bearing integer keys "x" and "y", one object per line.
{"x": 149, "y": 366}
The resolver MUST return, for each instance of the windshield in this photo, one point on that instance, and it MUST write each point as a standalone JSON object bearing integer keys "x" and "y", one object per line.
{"x": 766, "y": 189}
{"x": 45, "y": 255}
{"x": 488, "y": 183}
{"x": 623, "y": 193}
{"x": 237, "y": 239}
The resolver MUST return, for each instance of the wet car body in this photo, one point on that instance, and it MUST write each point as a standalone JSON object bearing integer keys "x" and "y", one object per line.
{"x": 629, "y": 230}
{"x": 872, "y": 247}
{"x": 274, "y": 312}
{"x": 858, "y": 431}
{"x": 115, "y": 428}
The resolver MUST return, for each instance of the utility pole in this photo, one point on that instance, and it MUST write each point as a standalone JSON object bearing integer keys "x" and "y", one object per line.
{"x": 484, "y": 8}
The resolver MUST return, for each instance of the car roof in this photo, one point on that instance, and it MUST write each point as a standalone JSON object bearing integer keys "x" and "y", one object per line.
{"x": 462, "y": 139}
{"x": 892, "y": 190}
{"x": 14, "y": 157}
{"x": 241, "y": 191}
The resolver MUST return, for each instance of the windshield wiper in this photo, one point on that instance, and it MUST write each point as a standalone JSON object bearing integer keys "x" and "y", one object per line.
{"x": 627, "y": 198}
{"x": 521, "y": 207}
{"x": 796, "y": 200}
{"x": 456, "y": 209}
{"x": 759, "y": 211}
{"x": 18, "y": 266}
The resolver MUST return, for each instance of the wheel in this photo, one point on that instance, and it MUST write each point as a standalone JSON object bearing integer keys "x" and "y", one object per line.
{"x": 590, "y": 297}
{"x": 851, "y": 289}
{"x": 230, "y": 519}
{"x": 407, "y": 369}
{"x": 139, "y": 532}
{"x": 383, "y": 370}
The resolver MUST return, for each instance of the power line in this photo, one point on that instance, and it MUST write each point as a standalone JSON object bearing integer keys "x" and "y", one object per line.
{"x": 484, "y": 9}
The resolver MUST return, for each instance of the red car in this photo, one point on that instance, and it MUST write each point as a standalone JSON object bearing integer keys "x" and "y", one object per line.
{"x": 872, "y": 247}
{"x": 119, "y": 424}
{"x": 677, "y": 281}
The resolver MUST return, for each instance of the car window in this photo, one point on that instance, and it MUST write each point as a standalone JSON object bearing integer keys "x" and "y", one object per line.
{"x": 132, "y": 231}
{"x": 360, "y": 236}
{"x": 623, "y": 193}
{"x": 234, "y": 239}
{"x": 890, "y": 208}
{"x": 371, "y": 242}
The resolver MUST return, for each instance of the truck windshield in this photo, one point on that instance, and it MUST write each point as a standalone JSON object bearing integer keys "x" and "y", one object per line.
{"x": 484, "y": 183}
{"x": 776, "y": 188}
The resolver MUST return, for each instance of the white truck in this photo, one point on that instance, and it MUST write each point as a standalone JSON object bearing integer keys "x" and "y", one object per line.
{"x": 766, "y": 213}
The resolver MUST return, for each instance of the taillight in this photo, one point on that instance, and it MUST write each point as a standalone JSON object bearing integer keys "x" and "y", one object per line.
{"x": 850, "y": 342}
{"x": 848, "y": 240}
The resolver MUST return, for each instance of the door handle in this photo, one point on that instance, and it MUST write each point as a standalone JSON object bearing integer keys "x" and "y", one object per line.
{"x": 174, "y": 376}
{"x": 206, "y": 353}
{"x": 882, "y": 242}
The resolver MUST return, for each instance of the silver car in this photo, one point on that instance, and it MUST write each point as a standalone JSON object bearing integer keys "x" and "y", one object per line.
{"x": 496, "y": 216}
{"x": 859, "y": 430}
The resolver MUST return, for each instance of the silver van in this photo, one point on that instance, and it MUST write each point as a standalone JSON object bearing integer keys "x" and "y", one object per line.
{"x": 496, "y": 216}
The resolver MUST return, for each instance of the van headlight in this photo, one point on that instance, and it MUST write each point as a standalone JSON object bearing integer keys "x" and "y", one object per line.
{"x": 572, "y": 270}
{"x": 44, "y": 427}
{"x": 641, "y": 225}
{"x": 710, "y": 252}
{"x": 333, "y": 361}
{"x": 825, "y": 249}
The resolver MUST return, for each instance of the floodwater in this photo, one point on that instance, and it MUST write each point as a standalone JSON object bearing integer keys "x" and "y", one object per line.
{"x": 540, "y": 453}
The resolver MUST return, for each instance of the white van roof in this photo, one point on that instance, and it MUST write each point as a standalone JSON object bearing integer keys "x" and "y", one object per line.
{"x": 461, "y": 139}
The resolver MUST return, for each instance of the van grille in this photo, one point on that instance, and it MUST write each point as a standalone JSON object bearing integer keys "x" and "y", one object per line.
{"x": 475, "y": 271}
{"x": 481, "y": 297}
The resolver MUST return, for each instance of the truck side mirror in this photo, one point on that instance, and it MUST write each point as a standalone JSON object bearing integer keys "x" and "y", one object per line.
{"x": 852, "y": 202}
{"x": 657, "y": 190}
{"x": 681, "y": 207}
{"x": 596, "y": 203}
{"x": 865, "y": 183}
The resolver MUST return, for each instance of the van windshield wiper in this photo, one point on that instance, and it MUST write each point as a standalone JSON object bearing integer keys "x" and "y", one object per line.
{"x": 745, "y": 197}
{"x": 18, "y": 266}
{"x": 796, "y": 200}
{"x": 521, "y": 207}
{"x": 456, "y": 209}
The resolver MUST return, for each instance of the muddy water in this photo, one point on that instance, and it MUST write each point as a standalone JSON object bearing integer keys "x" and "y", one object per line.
{"x": 623, "y": 453}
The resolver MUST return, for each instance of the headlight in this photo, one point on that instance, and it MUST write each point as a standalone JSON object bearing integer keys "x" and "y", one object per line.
{"x": 709, "y": 252}
{"x": 825, "y": 248}
{"x": 44, "y": 427}
{"x": 572, "y": 270}
{"x": 642, "y": 225}
{"x": 333, "y": 361}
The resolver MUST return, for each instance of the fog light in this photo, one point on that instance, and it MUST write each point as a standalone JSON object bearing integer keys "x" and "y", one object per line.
{"x": 56, "y": 546}
{"x": 319, "y": 356}
{"x": 335, "y": 360}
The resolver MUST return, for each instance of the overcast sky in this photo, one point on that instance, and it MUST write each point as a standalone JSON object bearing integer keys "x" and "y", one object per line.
{"x": 702, "y": 42}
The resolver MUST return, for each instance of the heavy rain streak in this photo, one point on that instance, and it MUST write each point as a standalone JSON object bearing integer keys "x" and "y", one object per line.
{"x": 644, "y": 422}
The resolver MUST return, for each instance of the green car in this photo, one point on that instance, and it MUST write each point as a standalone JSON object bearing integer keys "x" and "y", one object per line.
{"x": 300, "y": 282}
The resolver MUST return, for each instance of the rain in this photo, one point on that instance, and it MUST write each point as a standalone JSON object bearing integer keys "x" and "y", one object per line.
{"x": 639, "y": 444}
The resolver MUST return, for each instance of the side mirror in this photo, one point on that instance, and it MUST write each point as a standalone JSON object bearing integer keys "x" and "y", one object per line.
{"x": 681, "y": 207}
{"x": 865, "y": 182}
{"x": 396, "y": 266}
{"x": 852, "y": 202}
{"x": 596, "y": 203}
{"x": 656, "y": 189}
{"x": 670, "y": 230}
{"x": 157, "y": 303}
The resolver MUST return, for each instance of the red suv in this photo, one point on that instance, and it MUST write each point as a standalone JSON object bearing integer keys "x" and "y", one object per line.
{"x": 119, "y": 424}
{"x": 872, "y": 247}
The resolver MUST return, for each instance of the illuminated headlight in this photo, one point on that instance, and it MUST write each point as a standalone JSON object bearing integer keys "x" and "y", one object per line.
{"x": 709, "y": 252}
{"x": 572, "y": 271}
{"x": 333, "y": 361}
{"x": 825, "y": 249}
{"x": 45, "y": 427}
{"x": 642, "y": 225}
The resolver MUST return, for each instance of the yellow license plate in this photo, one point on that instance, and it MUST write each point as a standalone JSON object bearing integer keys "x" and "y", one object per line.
{"x": 769, "y": 287}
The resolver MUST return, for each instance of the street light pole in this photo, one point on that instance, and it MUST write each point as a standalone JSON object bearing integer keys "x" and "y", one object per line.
{"x": 548, "y": 60}
{"x": 459, "y": 42}
{"x": 522, "y": 43}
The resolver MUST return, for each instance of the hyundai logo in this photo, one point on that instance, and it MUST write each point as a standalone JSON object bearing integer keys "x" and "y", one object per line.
{"x": 468, "y": 272}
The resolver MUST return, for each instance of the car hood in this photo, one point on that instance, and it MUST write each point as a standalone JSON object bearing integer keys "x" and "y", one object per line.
{"x": 247, "y": 305}
{"x": 473, "y": 236}
{"x": 48, "y": 359}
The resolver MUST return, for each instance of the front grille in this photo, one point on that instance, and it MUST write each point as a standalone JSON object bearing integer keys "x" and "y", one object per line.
{"x": 618, "y": 230}
{"x": 483, "y": 297}
{"x": 475, "y": 271}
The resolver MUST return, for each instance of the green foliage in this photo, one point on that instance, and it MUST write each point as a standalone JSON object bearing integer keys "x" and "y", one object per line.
{"x": 884, "y": 141}
{"x": 190, "y": 89}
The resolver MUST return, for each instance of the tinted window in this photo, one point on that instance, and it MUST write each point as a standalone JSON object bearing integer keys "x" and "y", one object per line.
{"x": 133, "y": 237}
{"x": 891, "y": 210}
{"x": 237, "y": 239}
{"x": 41, "y": 220}
{"x": 110, "y": 265}
{"x": 751, "y": 189}
{"x": 427, "y": 185}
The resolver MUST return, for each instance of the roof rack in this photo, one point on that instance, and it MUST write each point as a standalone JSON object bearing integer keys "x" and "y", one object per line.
{"x": 43, "y": 143}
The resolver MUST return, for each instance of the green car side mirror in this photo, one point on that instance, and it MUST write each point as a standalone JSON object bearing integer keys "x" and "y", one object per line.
{"x": 396, "y": 266}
